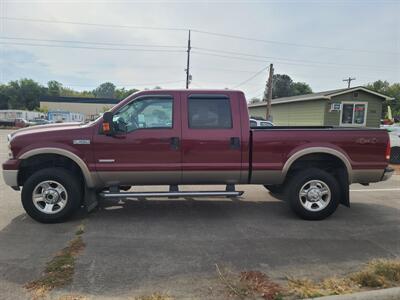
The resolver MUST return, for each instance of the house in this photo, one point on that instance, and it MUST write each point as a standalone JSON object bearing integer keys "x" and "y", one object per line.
{"x": 357, "y": 106}
{"x": 89, "y": 107}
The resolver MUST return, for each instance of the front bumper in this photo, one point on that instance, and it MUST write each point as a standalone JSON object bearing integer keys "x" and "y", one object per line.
{"x": 10, "y": 172}
{"x": 387, "y": 173}
{"x": 11, "y": 178}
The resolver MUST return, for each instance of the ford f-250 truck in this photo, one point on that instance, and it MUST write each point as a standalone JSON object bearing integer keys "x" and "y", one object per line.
{"x": 179, "y": 137}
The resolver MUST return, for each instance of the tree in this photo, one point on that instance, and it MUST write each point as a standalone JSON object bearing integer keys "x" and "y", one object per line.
{"x": 122, "y": 93}
{"x": 25, "y": 94}
{"x": 4, "y": 98}
{"x": 281, "y": 86}
{"x": 54, "y": 88}
{"x": 391, "y": 90}
{"x": 284, "y": 86}
{"x": 300, "y": 88}
{"x": 105, "y": 90}
{"x": 254, "y": 100}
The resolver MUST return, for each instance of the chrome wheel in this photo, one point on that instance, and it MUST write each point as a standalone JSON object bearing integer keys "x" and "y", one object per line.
{"x": 315, "y": 195}
{"x": 50, "y": 197}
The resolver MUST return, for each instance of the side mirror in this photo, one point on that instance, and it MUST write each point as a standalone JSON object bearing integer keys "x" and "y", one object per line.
{"x": 108, "y": 126}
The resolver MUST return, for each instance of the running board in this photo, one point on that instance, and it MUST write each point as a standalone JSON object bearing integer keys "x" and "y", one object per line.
{"x": 171, "y": 194}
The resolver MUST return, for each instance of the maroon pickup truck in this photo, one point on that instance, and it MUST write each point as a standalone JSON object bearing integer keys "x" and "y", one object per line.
{"x": 178, "y": 137}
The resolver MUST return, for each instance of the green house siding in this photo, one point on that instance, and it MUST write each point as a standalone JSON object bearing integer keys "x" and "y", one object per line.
{"x": 304, "y": 113}
{"x": 259, "y": 111}
{"x": 374, "y": 110}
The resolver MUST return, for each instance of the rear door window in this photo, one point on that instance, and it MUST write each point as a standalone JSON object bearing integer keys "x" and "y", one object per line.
{"x": 209, "y": 113}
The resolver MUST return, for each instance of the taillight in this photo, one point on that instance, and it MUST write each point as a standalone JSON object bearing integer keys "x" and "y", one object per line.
{"x": 388, "y": 150}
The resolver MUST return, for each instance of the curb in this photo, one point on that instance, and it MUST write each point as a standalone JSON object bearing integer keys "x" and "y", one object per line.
{"x": 383, "y": 294}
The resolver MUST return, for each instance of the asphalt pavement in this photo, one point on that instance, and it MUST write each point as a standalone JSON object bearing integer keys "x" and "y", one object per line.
{"x": 137, "y": 247}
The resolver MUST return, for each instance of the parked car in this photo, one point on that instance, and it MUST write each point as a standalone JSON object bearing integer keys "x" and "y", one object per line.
{"x": 394, "y": 134}
{"x": 260, "y": 123}
{"x": 21, "y": 123}
{"x": 179, "y": 137}
{"x": 39, "y": 122}
{"x": 395, "y": 147}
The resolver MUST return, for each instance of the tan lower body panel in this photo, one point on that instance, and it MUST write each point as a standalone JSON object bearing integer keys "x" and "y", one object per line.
{"x": 212, "y": 177}
{"x": 267, "y": 177}
{"x": 169, "y": 177}
{"x": 366, "y": 176}
{"x": 139, "y": 178}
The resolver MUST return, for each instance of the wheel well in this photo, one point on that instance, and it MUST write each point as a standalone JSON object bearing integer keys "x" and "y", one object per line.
{"x": 37, "y": 162}
{"x": 329, "y": 163}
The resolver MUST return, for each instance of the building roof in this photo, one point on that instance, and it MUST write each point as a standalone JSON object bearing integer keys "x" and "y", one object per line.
{"x": 60, "y": 99}
{"x": 326, "y": 95}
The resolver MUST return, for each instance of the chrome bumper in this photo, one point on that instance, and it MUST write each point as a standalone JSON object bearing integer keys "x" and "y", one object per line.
{"x": 11, "y": 177}
{"x": 387, "y": 173}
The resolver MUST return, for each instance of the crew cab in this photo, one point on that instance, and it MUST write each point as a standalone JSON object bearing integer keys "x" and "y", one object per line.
{"x": 181, "y": 137}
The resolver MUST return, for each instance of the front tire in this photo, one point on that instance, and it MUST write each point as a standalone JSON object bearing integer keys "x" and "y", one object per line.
{"x": 51, "y": 195}
{"x": 313, "y": 194}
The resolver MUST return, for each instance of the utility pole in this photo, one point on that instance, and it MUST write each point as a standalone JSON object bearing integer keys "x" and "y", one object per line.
{"x": 268, "y": 92}
{"x": 349, "y": 80}
{"x": 188, "y": 76}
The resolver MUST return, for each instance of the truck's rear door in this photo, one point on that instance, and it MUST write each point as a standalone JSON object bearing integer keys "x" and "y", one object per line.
{"x": 211, "y": 138}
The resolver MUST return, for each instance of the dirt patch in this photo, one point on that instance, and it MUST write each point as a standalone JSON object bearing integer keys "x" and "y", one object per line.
{"x": 59, "y": 270}
{"x": 250, "y": 285}
{"x": 155, "y": 296}
{"x": 73, "y": 297}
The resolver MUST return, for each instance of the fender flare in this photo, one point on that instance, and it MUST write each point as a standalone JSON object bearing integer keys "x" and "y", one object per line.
{"x": 315, "y": 150}
{"x": 90, "y": 180}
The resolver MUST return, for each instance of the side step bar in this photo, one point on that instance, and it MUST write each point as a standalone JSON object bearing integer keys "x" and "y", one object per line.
{"x": 171, "y": 194}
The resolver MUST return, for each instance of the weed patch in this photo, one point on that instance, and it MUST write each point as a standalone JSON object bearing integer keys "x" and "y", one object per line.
{"x": 379, "y": 273}
{"x": 59, "y": 270}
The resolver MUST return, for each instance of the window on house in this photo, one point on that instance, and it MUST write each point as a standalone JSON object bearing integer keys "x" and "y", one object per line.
{"x": 353, "y": 114}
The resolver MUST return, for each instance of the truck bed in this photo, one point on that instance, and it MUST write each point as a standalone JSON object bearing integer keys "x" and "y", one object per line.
{"x": 362, "y": 148}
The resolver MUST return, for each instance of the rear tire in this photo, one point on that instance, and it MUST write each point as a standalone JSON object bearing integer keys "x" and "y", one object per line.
{"x": 395, "y": 155}
{"x": 51, "y": 195}
{"x": 313, "y": 194}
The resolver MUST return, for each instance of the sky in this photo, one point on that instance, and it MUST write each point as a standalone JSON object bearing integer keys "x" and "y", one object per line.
{"x": 142, "y": 44}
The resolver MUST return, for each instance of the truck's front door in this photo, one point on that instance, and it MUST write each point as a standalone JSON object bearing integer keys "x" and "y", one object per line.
{"x": 211, "y": 138}
{"x": 146, "y": 148}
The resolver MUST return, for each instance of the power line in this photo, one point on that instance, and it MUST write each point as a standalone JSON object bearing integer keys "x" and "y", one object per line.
{"x": 280, "y": 58}
{"x": 284, "y": 63}
{"x": 95, "y": 24}
{"x": 89, "y": 43}
{"x": 252, "y": 77}
{"x": 224, "y": 35}
{"x": 91, "y": 48}
{"x": 223, "y": 69}
{"x": 290, "y": 44}
{"x": 128, "y": 84}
